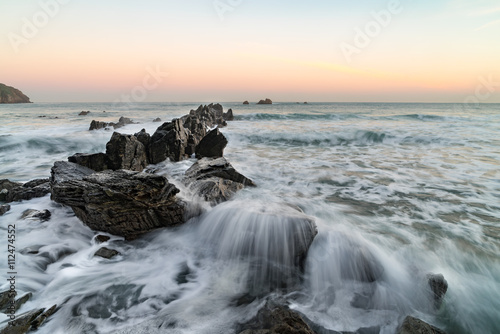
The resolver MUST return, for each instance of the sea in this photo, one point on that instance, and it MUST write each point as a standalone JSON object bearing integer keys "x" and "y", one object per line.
{"x": 412, "y": 187}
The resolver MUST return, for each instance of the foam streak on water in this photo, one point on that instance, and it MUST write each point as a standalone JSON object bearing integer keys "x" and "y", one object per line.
{"x": 397, "y": 191}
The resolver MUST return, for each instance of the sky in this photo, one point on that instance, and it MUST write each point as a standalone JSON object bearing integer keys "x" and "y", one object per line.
{"x": 236, "y": 50}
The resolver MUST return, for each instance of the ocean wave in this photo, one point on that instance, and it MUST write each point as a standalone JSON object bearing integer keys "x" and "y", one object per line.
{"x": 296, "y": 116}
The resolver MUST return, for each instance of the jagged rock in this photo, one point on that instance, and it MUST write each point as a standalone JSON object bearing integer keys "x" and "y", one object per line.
{"x": 63, "y": 171}
{"x": 246, "y": 102}
{"x": 96, "y": 161}
{"x": 84, "y": 113}
{"x": 169, "y": 142}
{"x": 438, "y": 286}
{"x": 43, "y": 215}
{"x": 212, "y": 145}
{"x": 275, "y": 319}
{"x": 106, "y": 253}
{"x": 21, "y": 301}
{"x": 101, "y": 238}
{"x": 96, "y": 125}
{"x": 4, "y": 208}
{"x": 28, "y": 321}
{"x": 5, "y": 298}
{"x": 6, "y": 186}
{"x": 413, "y": 325}
{"x": 35, "y": 324}
{"x": 158, "y": 119}
{"x": 12, "y": 191}
{"x": 215, "y": 179}
{"x": 266, "y": 101}
{"x": 122, "y": 202}
{"x": 228, "y": 116}
{"x": 126, "y": 152}
{"x": 10, "y": 94}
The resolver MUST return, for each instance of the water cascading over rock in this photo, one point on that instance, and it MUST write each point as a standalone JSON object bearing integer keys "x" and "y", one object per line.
{"x": 271, "y": 240}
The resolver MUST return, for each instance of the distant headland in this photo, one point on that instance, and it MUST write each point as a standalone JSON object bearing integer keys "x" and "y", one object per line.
{"x": 12, "y": 95}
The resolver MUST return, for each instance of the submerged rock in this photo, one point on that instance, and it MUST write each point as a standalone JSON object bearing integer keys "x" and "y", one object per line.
{"x": 215, "y": 180}
{"x": 43, "y": 215}
{"x": 413, "y": 325}
{"x": 212, "y": 145}
{"x": 4, "y": 208}
{"x": 84, "y": 113}
{"x": 122, "y": 202}
{"x": 438, "y": 286}
{"x": 106, "y": 253}
{"x": 272, "y": 240}
{"x": 101, "y": 238}
{"x": 275, "y": 319}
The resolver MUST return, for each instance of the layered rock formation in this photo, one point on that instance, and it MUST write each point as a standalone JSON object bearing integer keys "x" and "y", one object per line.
{"x": 10, "y": 94}
{"x": 123, "y": 202}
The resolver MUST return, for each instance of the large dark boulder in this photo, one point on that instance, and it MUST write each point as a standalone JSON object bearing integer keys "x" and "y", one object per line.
{"x": 228, "y": 116}
{"x": 169, "y": 142}
{"x": 215, "y": 180}
{"x": 413, "y": 325}
{"x": 123, "y": 203}
{"x": 125, "y": 152}
{"x": 96, "y": 161}
{"x": 212, "y": 145}
{"x": 275, "y": 319}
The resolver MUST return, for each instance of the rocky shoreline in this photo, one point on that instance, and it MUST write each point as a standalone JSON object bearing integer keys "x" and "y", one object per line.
{"x": 115, "y": 193}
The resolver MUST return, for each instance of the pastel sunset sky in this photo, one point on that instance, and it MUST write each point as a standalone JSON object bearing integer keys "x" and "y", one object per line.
{"x": 235, "y": 50}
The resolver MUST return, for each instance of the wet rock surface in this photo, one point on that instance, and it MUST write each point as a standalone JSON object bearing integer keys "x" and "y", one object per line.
{"x": 97, "y": 161}
{"x": 126, "y": 152}
{"x": 438, "y": 286}
{"x": 212, "y": 145}
{"x": 106, "y": 253}
{"x": 215, "y": 180}
{"x": 274, "y": 319}
{"x": 14, "y": 191}
{"x": 123, "y": 203}
{"x": 413, "y": 325}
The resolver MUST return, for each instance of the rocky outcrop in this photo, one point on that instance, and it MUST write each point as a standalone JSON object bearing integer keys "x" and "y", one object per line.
{"x": 157, "y": 119}
{"x": 169, "y": 142}
{"x": 14, "y": 191}
{"x": 212, "y": 145}
{"x": 246, "y": 102}
{"x": 10, "y": 94}
{"x": 97, "y": 161}
{"x": 266, "y": 101}
{"x": 275, "y": 319}
{"x": 63, "y": 171}
{"x": 96, "y": 125}
{"x": 123, "y": 203}
{"x": 438, "y": 286}
{"x": 228, "y": 116}
{"x": 215, "y": 180}
{"x": 413, "y": 325}
{"x": 84, "y": 113}
{"x": 126, "y": 152}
